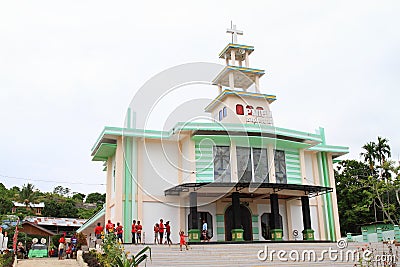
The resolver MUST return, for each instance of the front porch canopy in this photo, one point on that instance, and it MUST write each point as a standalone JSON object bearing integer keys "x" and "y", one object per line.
{"x": 250, "y": 190}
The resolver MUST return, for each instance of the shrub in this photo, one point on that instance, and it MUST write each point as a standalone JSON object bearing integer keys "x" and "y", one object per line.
{"x": 7, "y": 259}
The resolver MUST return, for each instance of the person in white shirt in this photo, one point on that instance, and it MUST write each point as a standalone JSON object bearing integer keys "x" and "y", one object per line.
{"x": 204, "y": 232}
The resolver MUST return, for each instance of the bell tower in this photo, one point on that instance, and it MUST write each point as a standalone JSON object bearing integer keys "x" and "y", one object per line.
{"x": 237, "y": 75}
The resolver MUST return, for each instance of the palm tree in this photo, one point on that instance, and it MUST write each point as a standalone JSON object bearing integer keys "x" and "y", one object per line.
{"x": 382, "y": 150}
{"x": 369, "y": 155}
{"x": 28, "y": 194}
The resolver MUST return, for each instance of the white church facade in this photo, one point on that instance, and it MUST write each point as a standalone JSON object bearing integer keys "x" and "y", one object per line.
{"x": 247, "y": 178}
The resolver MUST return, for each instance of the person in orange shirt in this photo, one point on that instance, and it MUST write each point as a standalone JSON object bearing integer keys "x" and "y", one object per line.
{"x": 119, "y": 231}
{"x": 133, "y": 231}
{"x": 161, "y": 231}
{"x": 139, "y": 233}
{"x": 109, "y": 227}
{"x": 156, "y": 230}
{"x": 168, "y": 230}
{"x": 182, "y": 240}
{"x": 98, "y": 230}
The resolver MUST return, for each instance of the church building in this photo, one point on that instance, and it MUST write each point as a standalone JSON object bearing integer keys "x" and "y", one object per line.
{"x": 248, "y": 179}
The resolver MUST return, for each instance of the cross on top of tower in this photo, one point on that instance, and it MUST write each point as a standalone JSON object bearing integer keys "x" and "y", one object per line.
{"x": 235, "y": 32}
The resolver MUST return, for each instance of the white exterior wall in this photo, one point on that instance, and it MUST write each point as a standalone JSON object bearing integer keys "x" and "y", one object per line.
{"x": 231, "y": 101}
{"x": 314, "y": 221}
{"x": 152, "y": 213}
{"x": 309, "y": 168}
{"x": 160, "y": 167}
{"x": 188, "y": 161}
{"x": 297, "y": 220}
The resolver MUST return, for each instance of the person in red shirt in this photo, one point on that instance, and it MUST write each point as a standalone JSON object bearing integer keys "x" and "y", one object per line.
{"x": 98, "y": 231}
{"x": 156, "y": 230}
{"x": 182, "y": 240}
{"x": 161, "y": 231}
{"x": 168, "y": 230}
{"x": 109, "y": 227}
{"x": 119, "y": 231}
{"x": 138, "y": 233}
{"x": 133, "y": 231}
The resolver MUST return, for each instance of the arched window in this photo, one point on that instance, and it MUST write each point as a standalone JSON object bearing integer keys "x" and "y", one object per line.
{"x": 220, "y": 115}
{"x": 239, "y": 109}
{"x": 224, "y": 112}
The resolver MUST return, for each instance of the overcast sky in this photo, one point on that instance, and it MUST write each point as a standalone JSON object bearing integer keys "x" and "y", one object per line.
{"x": 69, "y": 68}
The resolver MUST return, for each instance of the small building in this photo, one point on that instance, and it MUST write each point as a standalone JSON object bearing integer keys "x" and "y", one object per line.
{"x": 33, "y": 229}
{"x": 57, "y": 225}
{"x": 37, "y": 208}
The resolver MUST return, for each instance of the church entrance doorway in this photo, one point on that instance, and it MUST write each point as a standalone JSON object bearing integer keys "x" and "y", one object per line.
{"x": 245, "y": 217}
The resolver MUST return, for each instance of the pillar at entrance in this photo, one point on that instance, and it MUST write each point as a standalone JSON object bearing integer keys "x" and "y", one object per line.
{"x": 308, "y": 232}
{"x": 194, "y": 231}
{"x": 276, "y": 227}
{"x": 237, "y": 231}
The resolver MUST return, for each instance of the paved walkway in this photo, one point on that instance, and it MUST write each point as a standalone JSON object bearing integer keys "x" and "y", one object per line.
{"x": 47, "y": 262}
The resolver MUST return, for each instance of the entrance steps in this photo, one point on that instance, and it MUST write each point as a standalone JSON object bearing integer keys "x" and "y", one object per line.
{"x": 243, "y": 255}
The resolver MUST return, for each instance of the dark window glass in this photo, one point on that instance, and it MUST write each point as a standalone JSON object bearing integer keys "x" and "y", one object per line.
{"x": 244, "y": 164}
{"x": 266, "y": 222}
{"x": 222, "y": 167}
{"x": 260, "y": 162}
{"x": 280, "y": 167}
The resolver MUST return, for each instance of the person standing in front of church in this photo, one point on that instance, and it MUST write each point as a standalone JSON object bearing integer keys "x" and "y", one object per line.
{"x": 139, "y": 233}
{"x": 133, "y": 231}
{"x": 161, "y": 230}
{"x": 168, "y": 230}
{"x": 119, "y": 230}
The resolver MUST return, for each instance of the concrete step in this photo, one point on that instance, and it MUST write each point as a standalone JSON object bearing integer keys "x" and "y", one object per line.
{"x": 246, "y": 254}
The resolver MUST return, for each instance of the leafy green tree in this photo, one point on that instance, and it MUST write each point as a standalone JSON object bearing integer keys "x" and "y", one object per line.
{"x": 62, "y": 191}
{"x": 96, "y": 198}
{"x": 369, "y": 155}
{"x": 28, "y": 195}
{"x": 68, "y": 209}
{"x": 5, "y": 205}
{"x": 354, "y": 194}
{"x": 78, "y": 196}
{"x": 382, "y": 150}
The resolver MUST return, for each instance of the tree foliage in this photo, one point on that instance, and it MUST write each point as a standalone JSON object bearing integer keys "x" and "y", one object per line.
{"x": 58, "y": 203}
{"x": 368, "y": 190}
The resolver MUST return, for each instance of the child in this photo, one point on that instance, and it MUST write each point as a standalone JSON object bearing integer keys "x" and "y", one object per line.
{"x": 119, "y": 231}
{"x": 156, "y": 229}
{"x": 182, "y": 240}
{"x": 138, "y": 233}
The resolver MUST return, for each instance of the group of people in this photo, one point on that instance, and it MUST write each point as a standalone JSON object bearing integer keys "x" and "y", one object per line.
{"x": 118, "y": 230}
{"x": 67, "y": 248}
{"x": 136, "y": 232}
{"x": 159, "y": 230}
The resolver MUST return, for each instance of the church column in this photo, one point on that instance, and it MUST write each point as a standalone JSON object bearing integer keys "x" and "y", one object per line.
{"x": 194, "y": 231}
{"x": 233, "y": 57}
{"x": 257, "y": 83}
{"x": 308, "y": 233}
{"x": 276, "y": 227}
{"x": 237, "y": 231}
{"x": 231, "y": 81}
{"x": 246, "y": 58}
